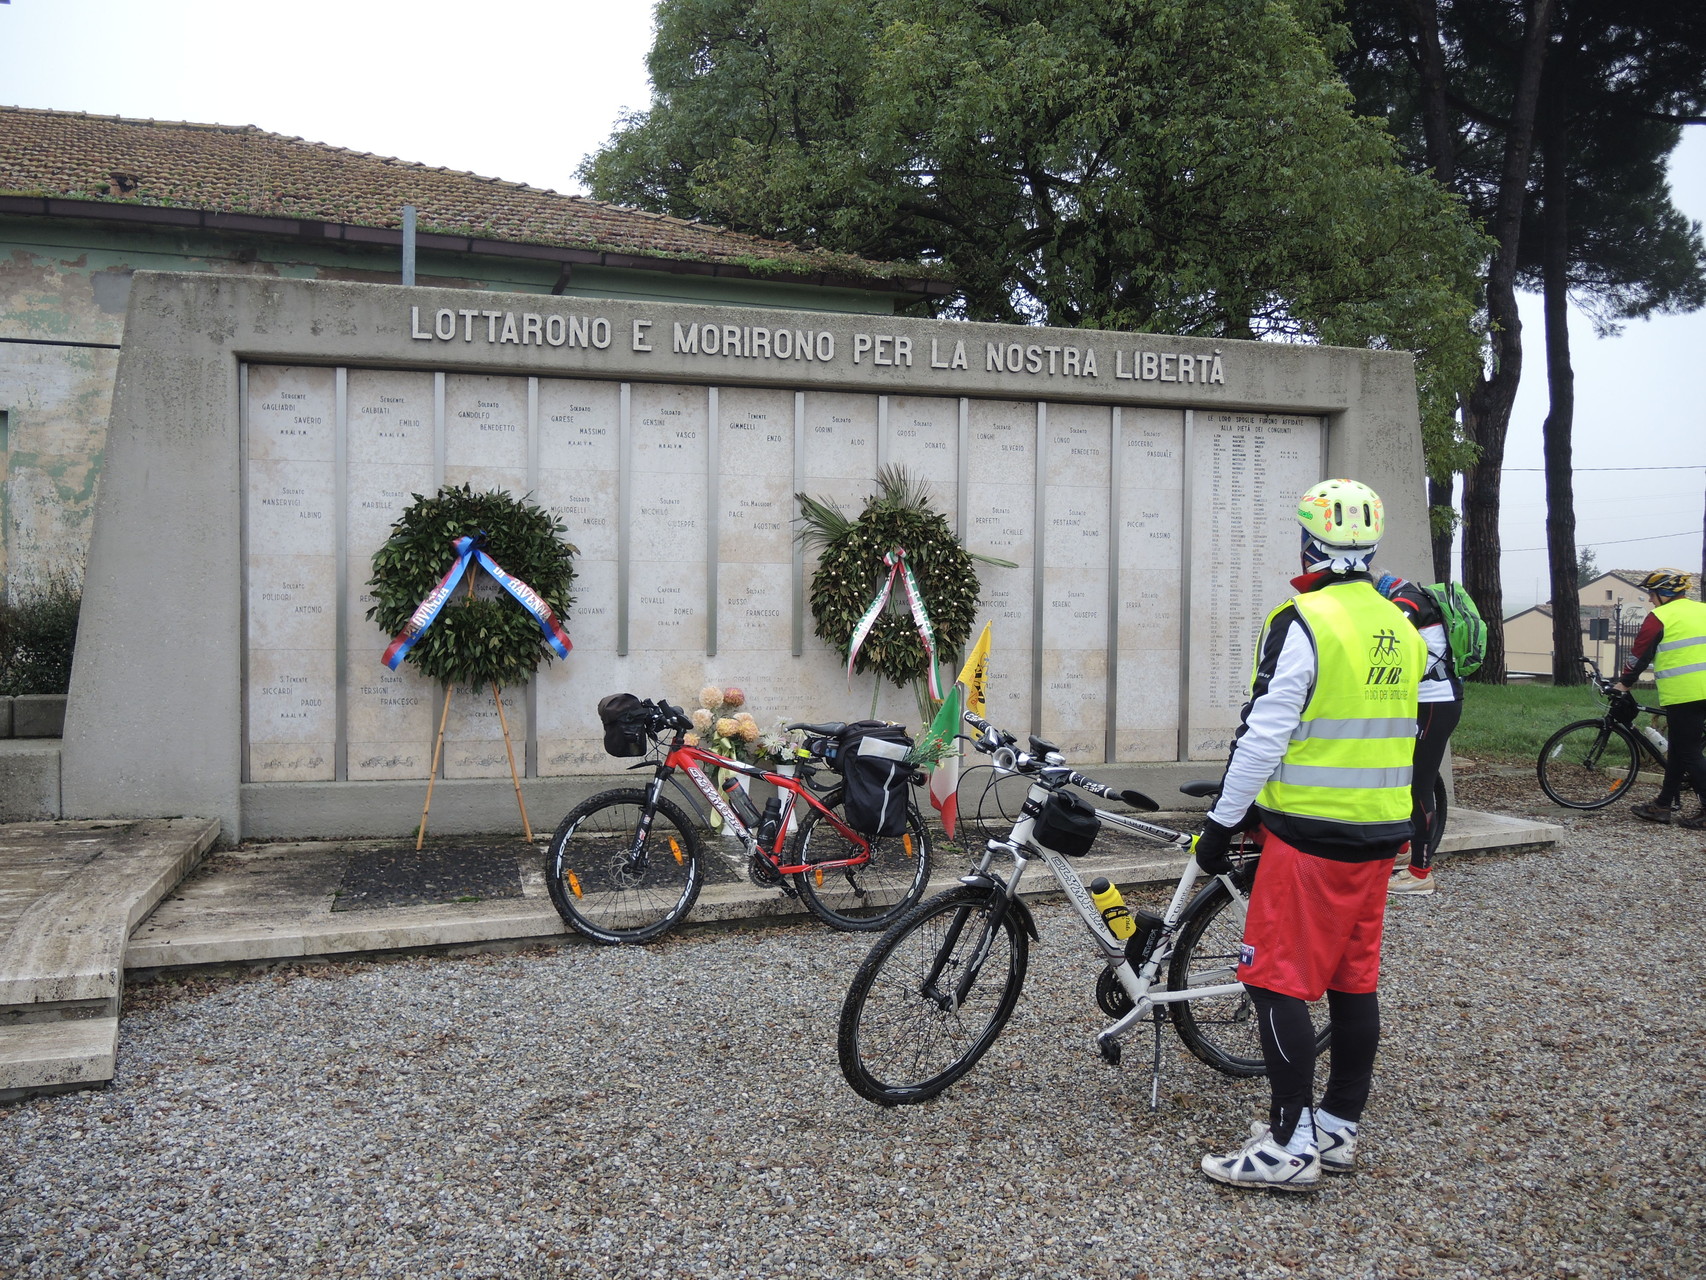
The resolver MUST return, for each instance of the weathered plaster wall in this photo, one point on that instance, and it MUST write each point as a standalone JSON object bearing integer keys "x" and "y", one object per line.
{"x": 68, "y": 283}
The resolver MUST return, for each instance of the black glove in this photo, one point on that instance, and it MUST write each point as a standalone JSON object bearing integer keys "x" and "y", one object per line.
{"x": 1210, "y": 848}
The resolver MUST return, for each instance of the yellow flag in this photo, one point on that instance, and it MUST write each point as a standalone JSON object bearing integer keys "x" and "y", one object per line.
{"x": 974, "y": 676}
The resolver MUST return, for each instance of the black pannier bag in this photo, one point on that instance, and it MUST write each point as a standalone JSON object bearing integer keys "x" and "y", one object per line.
{"x": 872, "y": 758}
{"x": 624, "y": 718}
{"x": 1068, "y": 824}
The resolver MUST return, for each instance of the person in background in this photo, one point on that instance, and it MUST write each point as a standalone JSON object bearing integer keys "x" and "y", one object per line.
{"x": 1673, "y": 641}
{"x": 1322, "y": 760}
{"x": 1440, "y": 707}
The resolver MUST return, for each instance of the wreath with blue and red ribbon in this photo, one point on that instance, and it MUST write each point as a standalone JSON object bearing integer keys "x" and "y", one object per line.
{"x": 439, "y": 549}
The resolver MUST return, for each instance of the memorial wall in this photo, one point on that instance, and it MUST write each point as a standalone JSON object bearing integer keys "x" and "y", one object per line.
{"x": 269, "y": 432}
{"x": 1116, "y": 635}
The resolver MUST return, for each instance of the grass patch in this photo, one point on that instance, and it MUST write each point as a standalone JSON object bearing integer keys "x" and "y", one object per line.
{"x": 1512, "y": 721}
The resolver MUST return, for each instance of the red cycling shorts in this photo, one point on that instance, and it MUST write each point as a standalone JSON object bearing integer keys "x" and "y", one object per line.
{"x": 1314, "y": 924}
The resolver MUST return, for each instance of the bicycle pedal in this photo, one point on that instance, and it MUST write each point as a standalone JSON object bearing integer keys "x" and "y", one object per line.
{"x": 1111, "y": 1051}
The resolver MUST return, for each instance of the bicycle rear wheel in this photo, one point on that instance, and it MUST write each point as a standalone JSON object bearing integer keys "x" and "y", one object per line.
{"x": 872, "y": 895}
{"x": 900, "y": 1039}
{"x": 616, "y": 882}
{"x": 1588, "y": 764}
{"x": 1436, "y": 832}
{"x": 1220, "y": 1030}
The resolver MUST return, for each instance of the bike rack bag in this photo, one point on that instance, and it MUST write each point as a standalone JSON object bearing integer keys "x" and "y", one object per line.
{"x": 871, "y": 755}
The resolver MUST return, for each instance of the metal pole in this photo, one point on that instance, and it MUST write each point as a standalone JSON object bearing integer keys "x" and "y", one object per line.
{"x": 408, "y": 244}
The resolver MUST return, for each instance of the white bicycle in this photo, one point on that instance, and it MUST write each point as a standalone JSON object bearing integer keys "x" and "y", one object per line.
{"x": 937, "y": 989}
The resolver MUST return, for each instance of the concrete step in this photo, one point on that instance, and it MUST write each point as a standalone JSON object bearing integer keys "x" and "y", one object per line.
{"x": 47, "y": 1057}
{"x": 71, "y": 893}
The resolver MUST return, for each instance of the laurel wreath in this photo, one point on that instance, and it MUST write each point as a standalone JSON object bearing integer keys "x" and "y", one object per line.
{"x": 850, "y": 571}
{"x": 476, "y": 641}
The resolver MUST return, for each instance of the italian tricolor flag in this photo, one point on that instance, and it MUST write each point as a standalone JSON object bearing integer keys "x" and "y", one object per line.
{"x": 966, "y": 695}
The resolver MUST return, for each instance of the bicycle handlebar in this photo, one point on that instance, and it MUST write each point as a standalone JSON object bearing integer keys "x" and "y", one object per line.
{"x": 990, "y": 740}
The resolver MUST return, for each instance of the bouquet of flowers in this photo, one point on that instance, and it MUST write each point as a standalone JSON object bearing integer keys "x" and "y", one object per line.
{"x": 720, "y": 725}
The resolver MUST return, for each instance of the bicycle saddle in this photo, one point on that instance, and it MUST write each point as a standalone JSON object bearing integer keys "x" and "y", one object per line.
{"x": 823, "y": 730}
{"x": 1200, "y": 788}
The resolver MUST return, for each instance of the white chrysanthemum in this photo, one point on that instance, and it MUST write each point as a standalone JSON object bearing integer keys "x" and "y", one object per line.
{"x": 703, "y": 720}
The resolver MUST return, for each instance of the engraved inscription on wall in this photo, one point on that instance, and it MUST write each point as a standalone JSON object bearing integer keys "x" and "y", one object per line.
{"x": 1246, "y": 474}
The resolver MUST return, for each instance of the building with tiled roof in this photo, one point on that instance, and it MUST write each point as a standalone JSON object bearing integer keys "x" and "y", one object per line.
{"x": 1612, "y": 606}
{"x": 87, "y": 200}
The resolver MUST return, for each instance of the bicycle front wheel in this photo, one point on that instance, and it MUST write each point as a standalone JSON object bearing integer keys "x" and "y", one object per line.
{"x": 872, "y": 895}
{"x": 1588, "y": 764}
{"x": 931, "y": 997}
{"x": 1220, "y": 1030}
{"x": 618, "y": 881}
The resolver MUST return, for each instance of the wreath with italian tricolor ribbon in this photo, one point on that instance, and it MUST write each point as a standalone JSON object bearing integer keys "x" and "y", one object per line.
{"x": 894, "y": 587}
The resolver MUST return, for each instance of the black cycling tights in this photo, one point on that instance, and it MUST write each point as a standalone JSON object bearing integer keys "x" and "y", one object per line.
{"x": 1288, "y": 1045}
{"x": 1435, "y": 722}
{"x": 1686, "y": 765}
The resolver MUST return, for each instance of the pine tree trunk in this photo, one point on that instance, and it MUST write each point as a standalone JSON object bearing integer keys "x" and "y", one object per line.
{"x": 1560, "y": 383}
{"x": 1487, "y": 417}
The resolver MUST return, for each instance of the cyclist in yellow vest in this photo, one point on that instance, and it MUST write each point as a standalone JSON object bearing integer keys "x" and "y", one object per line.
{"x": 1673, "y": 640}
{"x": 1321, "y": 761}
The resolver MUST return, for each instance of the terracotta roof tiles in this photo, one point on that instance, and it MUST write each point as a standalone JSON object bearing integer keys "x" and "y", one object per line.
{"x": 246, "y": 170}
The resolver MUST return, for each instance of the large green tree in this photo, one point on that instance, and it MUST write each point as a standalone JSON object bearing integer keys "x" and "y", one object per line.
{"x": 1181, "y": 166}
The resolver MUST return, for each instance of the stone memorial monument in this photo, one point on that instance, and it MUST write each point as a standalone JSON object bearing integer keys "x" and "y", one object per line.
{"x": 265, "y": 433}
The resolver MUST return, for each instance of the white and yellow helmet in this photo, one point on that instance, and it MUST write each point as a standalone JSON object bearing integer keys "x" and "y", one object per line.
{"x": 1342, "y": 522}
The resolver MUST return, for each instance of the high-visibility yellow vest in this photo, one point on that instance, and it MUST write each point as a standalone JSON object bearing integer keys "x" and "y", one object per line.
{"x": 1350, "y": 757}
{"x": 1680, "y": 664}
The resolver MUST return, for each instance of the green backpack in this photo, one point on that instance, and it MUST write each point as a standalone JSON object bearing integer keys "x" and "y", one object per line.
{"x": 1464, "y": 626}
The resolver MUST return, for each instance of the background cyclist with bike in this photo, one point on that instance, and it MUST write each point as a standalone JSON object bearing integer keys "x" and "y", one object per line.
{"x": 1440, "y": 707}
{"x": 1673, "y": 641}
{"x": 1322, "y": 761}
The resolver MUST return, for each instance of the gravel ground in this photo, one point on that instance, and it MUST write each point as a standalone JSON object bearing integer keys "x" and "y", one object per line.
{"x": 677, "y": 1111}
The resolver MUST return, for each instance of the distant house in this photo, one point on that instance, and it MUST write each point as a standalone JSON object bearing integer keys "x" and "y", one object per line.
{"x": 1613, "y": 606}
{"x": 87, "y": 200}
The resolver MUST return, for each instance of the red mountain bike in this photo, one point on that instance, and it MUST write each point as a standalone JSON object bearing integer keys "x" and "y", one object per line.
{"x": 627, "y": 864}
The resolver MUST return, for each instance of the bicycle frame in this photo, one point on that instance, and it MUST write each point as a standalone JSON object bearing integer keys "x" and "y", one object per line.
{"x": 1139, "y": 983}
{"x": 689, "y": 759}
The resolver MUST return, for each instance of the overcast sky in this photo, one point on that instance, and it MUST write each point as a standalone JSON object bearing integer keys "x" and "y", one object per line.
{"x": 523, "y": 89}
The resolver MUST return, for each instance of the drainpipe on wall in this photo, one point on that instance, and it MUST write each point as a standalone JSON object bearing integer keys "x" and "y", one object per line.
{"x": 408, "y": 244}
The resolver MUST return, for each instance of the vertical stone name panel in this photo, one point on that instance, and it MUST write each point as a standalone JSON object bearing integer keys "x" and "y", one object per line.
{"x": 1000, "y": 502}
{"x": 924, "y": 437}
{"x": 1075, "y": 579}
{"x": 485, "y": 447}
{"x": 755, "y": 497}
{"x": 670, "y": 440}
{"x": 579, "y": 466}
{"x": 1247, "y": 472}
{"x": 840, "y": 465}
{"x": 1151, "y": 556}
{"x": 389, "y": 715}
{"x": 291, "y": 565}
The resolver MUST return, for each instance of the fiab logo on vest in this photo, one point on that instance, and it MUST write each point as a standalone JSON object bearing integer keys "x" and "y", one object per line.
{"x": 1385, "y": 665}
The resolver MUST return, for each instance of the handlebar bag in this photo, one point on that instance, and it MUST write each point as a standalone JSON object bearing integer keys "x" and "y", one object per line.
{"x": 1624, "y": 708}
{"x": 624, "y": 718}
{"x": 1068, "y": 824}
{"x": 872, "y": 758}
